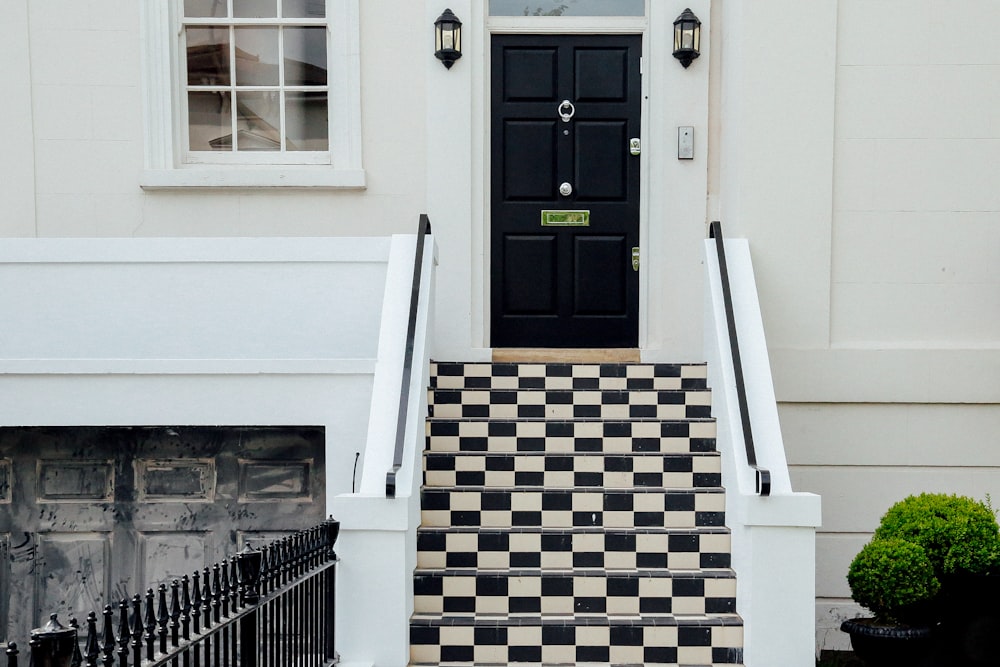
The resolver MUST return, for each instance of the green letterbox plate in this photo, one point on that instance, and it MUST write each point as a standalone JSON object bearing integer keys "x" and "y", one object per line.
{"x": 565, "y": 218}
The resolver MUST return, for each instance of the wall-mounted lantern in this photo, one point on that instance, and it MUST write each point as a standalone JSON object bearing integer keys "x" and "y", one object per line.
{"x": 687, "y": 37}
{"x": 448, "y": 38}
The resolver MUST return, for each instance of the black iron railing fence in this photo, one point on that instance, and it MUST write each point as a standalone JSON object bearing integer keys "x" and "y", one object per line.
{"x": 261, "y": 608}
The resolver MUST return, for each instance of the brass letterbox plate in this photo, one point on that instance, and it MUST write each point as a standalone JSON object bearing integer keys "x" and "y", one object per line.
{"x": 565, "y": 218}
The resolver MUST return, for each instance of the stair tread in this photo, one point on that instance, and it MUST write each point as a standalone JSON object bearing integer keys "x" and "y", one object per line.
{"x": 596, "y": 530}
{"x": 651, "y": 573}
{"x": 574, "y": 454}
{"x": 557, "y": 664}
{"x": 452, "y": 663}
{"x": 644, "y": 619}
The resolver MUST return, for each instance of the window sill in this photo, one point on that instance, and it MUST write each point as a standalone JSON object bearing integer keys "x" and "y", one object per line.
{"x": 280, "y": 177}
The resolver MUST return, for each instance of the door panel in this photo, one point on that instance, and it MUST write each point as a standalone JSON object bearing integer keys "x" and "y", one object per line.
{"x": 602, "y": 75}
{"x": 529, "y": 160}
{"x": 602, "y": 167}
{"x": 564, "y": 280}
{"x": 598, "y": 290}
{"x": 535, "y": 255}
{"x": 531, "y": 75}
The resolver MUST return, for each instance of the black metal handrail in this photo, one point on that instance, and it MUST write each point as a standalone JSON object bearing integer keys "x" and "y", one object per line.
{"x": 763, "y": 475}
{"x": 424, "y": 228}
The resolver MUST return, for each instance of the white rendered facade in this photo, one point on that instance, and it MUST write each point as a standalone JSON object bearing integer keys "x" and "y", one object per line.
{"x": 854, "y": 144}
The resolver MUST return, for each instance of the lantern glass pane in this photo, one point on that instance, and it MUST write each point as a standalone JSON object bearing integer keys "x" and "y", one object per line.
{"x": 687, "y": 37}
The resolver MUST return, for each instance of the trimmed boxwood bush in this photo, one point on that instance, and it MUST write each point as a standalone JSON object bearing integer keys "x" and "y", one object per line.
{"x": 959, "y": 535}
{"x": 894, "y": 579}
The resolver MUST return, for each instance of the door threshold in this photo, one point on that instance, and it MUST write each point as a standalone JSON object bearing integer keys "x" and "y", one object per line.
{"x": 566, "y": 355}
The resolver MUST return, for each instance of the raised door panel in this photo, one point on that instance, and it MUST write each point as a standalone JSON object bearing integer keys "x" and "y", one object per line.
{"x": 601, "y": 75}
{"x": 600, "y": 281}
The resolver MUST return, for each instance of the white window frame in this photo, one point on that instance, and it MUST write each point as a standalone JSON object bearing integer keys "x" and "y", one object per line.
{"x": 163, "y": 82}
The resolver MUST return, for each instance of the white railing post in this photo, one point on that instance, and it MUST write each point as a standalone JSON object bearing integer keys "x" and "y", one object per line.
{"x": 774, "y": 537}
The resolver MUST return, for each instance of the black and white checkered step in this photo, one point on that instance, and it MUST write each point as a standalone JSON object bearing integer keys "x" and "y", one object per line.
{"x": 568, "y": 404}
{"x": 702, "y": 641}
{"x": 567, "y": 376}
{"x": 573, "y": 508}
{"x": 573, "y": 514}
{"x": 560, "y": 436}
{"x": 563, "y": 549}
{"x": 567, "y": 471}
{"x": 579, "y": 592}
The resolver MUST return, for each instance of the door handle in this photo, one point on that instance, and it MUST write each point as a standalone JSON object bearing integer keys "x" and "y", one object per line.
{"x": 565, "y": 189}
{"x": 635, "y": 258}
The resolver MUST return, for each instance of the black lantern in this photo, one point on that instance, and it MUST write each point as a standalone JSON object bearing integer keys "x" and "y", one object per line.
{"x": 687, "y": 37}
{"x": 249, "y": 562}
{"x": 448, "y": 38}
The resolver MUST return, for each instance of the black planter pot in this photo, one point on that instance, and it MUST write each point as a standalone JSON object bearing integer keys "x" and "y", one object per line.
{"x": 970, "y": 619}
{"x": 888, "y": 645}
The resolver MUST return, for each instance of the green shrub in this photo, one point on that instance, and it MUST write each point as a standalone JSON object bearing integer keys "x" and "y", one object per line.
{"x": 893, "y": 578}
{"x": 958, "y": 534}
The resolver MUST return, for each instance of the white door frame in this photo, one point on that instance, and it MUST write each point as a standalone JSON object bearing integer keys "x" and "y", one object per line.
{"x": 672, "y": 192}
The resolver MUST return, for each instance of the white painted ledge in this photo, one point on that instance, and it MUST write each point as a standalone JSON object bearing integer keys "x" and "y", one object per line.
{"x": 187, "y": 366}
{"x": 234, "y": 177}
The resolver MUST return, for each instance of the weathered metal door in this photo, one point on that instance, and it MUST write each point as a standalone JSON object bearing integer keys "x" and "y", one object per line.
{"x": 565, "y": 190}
{"x": 88, "y": 514}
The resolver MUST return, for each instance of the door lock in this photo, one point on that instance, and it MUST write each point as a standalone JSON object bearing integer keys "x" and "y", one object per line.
{"x": 635, "y": 258}
{"x": 634, "y": 146}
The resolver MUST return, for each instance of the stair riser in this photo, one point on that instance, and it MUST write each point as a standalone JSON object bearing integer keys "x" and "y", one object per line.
{"x": 567, "y": 644}
{"x": 612, "y": 437}
{"x": 572, "y": 509}
{"x": 572, "y": 471}
{"x": 615, "y": 550}
{"x": 568, "y": 376}
{"x": 566, "y": 594}
{"x": 659, "y": 405}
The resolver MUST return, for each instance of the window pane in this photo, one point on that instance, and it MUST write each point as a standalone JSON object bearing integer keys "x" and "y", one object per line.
{"x": 304, "y": 9}
{"x": 258, "y": 121}
{"x": 257, "y": 57}
{"x": 255, "y": 9}
{"x": 305, "y": 56}
{"x": 306, "y": 124}
{"x": 209, "y": 121}
{"x": 567, "y": 7}
{"x": 199, "y": 8}
{"x": 208, "y": 56}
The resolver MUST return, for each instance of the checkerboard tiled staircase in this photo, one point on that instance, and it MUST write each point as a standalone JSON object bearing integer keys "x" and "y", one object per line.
{"x": 571, "y": 514}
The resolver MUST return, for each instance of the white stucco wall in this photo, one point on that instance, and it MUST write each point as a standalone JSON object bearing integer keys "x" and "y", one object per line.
{"x": 859, "y": 159}
{"x": 73, "y": 149}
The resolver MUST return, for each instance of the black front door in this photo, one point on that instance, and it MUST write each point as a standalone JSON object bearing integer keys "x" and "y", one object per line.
{"x": 565, "y": 190}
